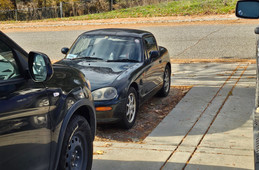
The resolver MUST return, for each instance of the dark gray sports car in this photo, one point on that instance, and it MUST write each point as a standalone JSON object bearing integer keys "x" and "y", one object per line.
{"x": 125, "y": 68}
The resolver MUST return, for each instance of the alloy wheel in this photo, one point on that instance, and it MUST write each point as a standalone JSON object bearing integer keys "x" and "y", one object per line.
{"x": 131, "y": 107}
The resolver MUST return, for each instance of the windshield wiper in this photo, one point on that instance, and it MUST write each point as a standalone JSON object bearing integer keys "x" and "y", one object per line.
{"x": 88, "y": 58}
{"x": 123, "y": 60}
{"x": 4, "y": 61}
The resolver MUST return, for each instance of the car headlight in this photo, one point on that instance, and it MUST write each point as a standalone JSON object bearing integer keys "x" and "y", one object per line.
{"x": 107, "y": 93}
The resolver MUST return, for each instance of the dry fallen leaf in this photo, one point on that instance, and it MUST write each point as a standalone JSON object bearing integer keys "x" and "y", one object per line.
{"x": 99, "y": 152}
{"x": 107, "y": 144}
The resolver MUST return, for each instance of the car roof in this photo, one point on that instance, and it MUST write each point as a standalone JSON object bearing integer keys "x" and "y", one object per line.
{"x": 119, "y": 32}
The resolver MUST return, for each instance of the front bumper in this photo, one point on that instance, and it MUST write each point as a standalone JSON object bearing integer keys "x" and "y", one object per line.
{"x": 112, "y": 116}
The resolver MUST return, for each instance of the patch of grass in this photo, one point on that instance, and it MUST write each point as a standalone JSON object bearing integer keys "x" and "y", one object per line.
{"x": 171, "y": 8}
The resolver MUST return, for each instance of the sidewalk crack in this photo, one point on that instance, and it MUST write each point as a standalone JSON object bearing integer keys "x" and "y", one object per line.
{"x": 209, "y": 103}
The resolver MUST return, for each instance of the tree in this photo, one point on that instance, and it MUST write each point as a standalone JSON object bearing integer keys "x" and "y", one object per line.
{"x": 13, "y": 3}
{"x": 111, "y": 2}
{"x": 6, "y": 5}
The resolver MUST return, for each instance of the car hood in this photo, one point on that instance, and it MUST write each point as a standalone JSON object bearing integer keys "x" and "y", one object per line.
{"x": 100, "y": 74}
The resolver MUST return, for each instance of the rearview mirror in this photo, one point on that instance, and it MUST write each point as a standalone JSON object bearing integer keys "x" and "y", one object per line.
{"x": 64, "y": 50}
{"x": 40, "y": 67}
{"x": 247, "y": 9}
{"x": 153, "y": 54}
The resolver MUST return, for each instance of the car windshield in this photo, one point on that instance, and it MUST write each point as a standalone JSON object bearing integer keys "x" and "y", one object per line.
{"x": 107, "y": 48}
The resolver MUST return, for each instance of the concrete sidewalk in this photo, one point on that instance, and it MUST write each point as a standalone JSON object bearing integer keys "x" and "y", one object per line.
{"x": 210, "y": 128}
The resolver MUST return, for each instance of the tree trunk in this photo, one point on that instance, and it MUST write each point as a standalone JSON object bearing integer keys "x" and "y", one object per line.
{"x": 127, "y": 3}
{"x": 111, "y": 3}
{"x": 14, "y": 4}
{"x": 73, "y": 9}
{"x": 40, "y": 4}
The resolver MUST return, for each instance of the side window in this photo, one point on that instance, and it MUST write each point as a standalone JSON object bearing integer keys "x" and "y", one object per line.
{"x": 150, "y": 45}
{"x": 8, "y": 65}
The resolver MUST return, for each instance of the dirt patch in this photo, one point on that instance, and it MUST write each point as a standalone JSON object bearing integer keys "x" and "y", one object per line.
{"x": 63, "y": 25}
{"x": 149, "y": 116}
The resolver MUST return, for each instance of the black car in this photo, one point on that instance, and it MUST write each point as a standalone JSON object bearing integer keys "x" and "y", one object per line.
{"x": 125, "y": 68}
{"x": 47, "y": 116}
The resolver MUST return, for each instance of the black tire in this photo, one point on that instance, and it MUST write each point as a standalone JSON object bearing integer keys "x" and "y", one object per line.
{"x": 77, "y": 148}
{"x": 164, "y": 91}
{"x": 129, "y": 117}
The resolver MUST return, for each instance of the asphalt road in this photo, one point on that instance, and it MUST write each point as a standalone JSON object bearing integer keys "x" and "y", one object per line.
{"x": 183, "y": 42}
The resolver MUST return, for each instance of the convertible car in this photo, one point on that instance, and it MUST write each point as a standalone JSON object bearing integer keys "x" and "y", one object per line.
{"x": 125, "y": 67}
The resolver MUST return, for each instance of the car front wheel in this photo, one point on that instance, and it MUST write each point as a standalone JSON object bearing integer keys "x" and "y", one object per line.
{"x": 77, "y": 148}
{"x": 129, "y": 117}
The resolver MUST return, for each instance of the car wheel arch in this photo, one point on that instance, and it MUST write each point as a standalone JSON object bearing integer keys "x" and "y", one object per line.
{"x": 135, "y": 86}
{"x": 170, "y": 69}
{"x": 76, "y": 109}
{"x": 169, "y": 65}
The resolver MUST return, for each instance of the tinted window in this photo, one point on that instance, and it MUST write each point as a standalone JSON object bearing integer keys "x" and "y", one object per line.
{"x": 8, "y": 65}
{"x": 150, "y": 45}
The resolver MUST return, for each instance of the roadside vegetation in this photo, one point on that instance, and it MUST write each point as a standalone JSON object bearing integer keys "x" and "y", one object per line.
{"x": 100, "y": 9}
{"x": 173, "y": 8}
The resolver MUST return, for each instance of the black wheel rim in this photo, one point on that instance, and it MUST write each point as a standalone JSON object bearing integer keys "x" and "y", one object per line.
{"x": 76, "y": 153}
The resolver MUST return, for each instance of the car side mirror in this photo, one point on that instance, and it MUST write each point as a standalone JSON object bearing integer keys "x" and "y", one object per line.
{"x": 64, "y": 50}
{"x": 40, "y": 67}
{"x": 247, "y": 9}
{"x": 153, "y": 55}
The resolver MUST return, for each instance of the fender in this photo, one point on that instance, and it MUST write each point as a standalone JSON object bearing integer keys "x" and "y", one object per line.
{"x": 69, "y": 114}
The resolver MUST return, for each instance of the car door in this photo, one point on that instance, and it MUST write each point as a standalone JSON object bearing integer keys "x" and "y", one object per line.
{"x": 152, "y": 76}
{"x": 24, "y": 121}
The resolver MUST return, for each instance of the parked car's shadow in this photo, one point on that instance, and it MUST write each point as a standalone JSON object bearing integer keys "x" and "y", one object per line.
{"x": 140, "y": 165}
